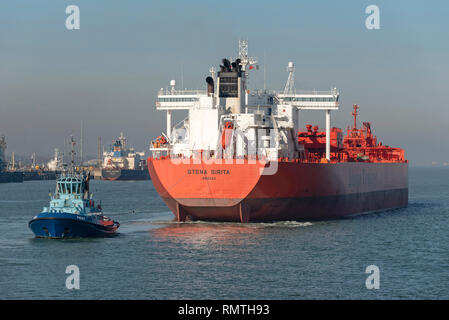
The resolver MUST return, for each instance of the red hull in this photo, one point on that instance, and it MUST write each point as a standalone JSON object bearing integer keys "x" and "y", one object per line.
{"x": 297, "y": 191}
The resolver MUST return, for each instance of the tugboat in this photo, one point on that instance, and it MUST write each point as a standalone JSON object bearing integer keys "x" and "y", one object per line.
{"x": 72, "y": 212}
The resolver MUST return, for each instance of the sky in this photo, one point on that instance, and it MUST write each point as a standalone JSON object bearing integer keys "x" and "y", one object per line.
{"x": 107, "y": 74}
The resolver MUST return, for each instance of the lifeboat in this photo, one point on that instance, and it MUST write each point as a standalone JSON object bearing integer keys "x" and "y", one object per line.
{"x": 159, "y": 142}
{"x": 226, "y": 135}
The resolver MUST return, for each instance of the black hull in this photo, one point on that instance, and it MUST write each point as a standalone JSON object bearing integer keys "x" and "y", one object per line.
{"x": 11, "y": 177}
{"x": 39, "y": 175}
{"x": 125, "y": 175}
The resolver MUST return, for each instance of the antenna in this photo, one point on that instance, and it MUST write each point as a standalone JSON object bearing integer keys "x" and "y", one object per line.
{"x": 213, "y": 73}
{"x": 99, "y": 152}
{"x": 72, "y": 143}
{"x": 122, "y": 141}
{"x": 13, "y": 160}
{"x": 33, "y": 159}
{"x": 243, "y": 49}
{"x": 182, "y": 76}
{"x": 245, "y": 60}
{"x": 81, "y": 144}
{"x": 354, "y": 113}
{"x": 289, "y": 86}
{"x": 243, "y": 55}
{"x": 64, "y": 153}
{"x": 265, "y": 69}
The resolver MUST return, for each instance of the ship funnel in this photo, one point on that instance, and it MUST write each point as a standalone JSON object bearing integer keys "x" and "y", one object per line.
{"x": 238, "y": 66}
{"x": 227, "y": 65}
{"x": 210, "y": 86}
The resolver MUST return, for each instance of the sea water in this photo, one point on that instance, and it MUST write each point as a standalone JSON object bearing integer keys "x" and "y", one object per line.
{"x": 154, "y": 257}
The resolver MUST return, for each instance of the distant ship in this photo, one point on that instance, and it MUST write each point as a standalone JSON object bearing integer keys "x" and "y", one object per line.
{"x": 53, "y": 168}
{"x": 56, "y": 164}
{"x": 121, "y": 163}
{"x": 36, "y": 172}
{"x": 7, "y": 176}
{"x": 241, "y": 155}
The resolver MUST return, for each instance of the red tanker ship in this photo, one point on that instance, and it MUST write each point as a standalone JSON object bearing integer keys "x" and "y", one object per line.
{"x": 239, "y": 155}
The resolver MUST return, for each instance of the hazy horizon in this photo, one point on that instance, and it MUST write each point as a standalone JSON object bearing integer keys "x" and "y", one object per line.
{"x": 107, "y": 74}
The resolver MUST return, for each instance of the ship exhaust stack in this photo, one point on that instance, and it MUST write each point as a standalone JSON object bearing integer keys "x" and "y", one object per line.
{"x": 226, "y": 67}
{"x": 230, "y": 87}
{"x": 210, "y": 86}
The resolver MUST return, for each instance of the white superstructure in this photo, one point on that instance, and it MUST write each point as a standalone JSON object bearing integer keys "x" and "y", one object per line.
{"x": 56, "y": 164}
{"x": 119, "y": 156}
{"x": 229, "y": 120}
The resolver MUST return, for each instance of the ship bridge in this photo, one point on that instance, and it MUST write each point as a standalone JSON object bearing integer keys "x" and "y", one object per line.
{"x": 171, "y": 99}
{"x": 311, "y": 100}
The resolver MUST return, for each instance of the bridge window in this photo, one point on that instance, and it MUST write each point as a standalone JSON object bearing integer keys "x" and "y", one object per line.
{"x": 228, "y": 87}
{"x": 188, "y": 99}
{"x": 309, "y": 99}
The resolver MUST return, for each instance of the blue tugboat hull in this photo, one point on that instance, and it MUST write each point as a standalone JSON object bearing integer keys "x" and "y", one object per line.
{"x": 67, "y": 225}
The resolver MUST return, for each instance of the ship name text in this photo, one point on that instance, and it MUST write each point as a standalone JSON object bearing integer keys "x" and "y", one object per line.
{"x": 205, "y": 171}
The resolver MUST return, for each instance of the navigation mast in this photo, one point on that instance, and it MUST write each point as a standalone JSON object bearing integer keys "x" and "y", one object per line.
{"x": 72, "y": 152}
{"x": 245, "y": 59}
{"x": 289, "y": 86}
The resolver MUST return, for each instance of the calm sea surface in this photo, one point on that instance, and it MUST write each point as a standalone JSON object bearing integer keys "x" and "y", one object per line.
{"x": 155, "y": 258}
